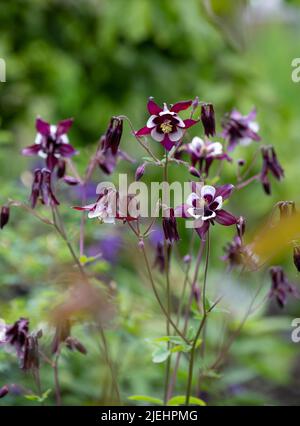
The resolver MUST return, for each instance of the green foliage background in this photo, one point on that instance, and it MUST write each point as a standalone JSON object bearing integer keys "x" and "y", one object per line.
{"x": 91, "y": 59}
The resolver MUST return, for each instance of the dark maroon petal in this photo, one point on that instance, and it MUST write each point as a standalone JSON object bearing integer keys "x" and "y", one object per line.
{"x": 51, "y": 161}
{"x": 202, "y": 231}
{"x": 153, "y": 108}
{"x": 224, "y": 190}
{"x": 167, "y": 143}
{"x": 180, "y": 106}
{"x": 66, "y": 150}
{"x": 31, "y": 149}
{"x": 64, "y": 126}
{"x": 189, "y": 123}
{"x": 42, "y": 127}
{"x": 225, "y": 218}
{"x": 143, "y": 131}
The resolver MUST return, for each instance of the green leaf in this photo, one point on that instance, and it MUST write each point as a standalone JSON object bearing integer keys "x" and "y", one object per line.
{"x": 180, "y": 400}
{"x": 145, "y": 398}
{"x": 161, "y": 354}
{"x": 37, "y": 397}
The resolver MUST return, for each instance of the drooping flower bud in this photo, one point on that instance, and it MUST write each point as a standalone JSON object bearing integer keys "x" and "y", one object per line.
{"x": 193, "y": 171}
{"x": 241, "y": 226}
{"x": 4, "y": 391}
{"x": 208, "y": 119}
{"x": 140, "y": 172}
{"x": 4, "y": 216}
{"x": 74, "y": 344}
{"x": 170, "y": 228}
{"x": 113, "y": 135}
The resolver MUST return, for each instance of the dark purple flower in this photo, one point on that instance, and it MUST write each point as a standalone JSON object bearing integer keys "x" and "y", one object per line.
{"x": 281, "y": 287}
{"x": 203, "y": 153}
{"x": 170, "y": 227}
{"x": 270, "y": 165}
{"x": 51, "y": 142}
{"x": 42, "y": 189}
{"x": 165, "y": 125}
{"x": 204, "y": 204}
{"x": 17, "y": 334}
{"x": 240, "y": 129}
{"x": 4, "y": 216}
{"x": 4, "y": 391}
{"x": 113, "y": 135}
{"x": 156, "y": 238}
{"x": 208, "y": 119}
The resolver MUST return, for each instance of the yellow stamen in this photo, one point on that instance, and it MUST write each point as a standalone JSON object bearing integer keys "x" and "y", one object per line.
{"x": 166, "y": 127}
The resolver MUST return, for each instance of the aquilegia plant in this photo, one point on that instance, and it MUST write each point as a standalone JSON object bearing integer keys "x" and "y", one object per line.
{"x": 205, "y": 210}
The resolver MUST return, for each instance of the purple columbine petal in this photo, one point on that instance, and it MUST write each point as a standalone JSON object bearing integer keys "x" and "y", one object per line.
{"x": 31, "y": 149}
{"x": 225, "y": 191}
{"x": 153, "y": 108}
{"x": 167, "y": 143}
{"x": 66, "y": 150}
{"x": 225, "y": 218}
{"x": 51, "y": 162}
{"x": 42, "y": 127}
{"x": 64, "y": 126}
{"x": 189, "y": 123}
{"x": 202, "y": 231}
{"x": 180, "y": 106}
{"x": 143, "y": 131}
{"x": 182, "y": 211}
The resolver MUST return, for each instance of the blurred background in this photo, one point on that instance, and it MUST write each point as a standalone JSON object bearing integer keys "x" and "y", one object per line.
{"x": 91, "y": 59}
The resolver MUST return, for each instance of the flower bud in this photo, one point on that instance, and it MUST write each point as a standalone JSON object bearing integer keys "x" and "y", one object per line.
{"x": 61, "y": 168}
{"x": 140, "y": 172}
{"x": 70, "y": 180}
{"x": 4, "y": 391}
{"x": 4, "y": 216}
{"x": 241, "y": 226}
{"x": 208, "y": 119}
{"x": 141, "y": 244}
{"x": 193, "y": 171}
{"x": 241, "y": 162}
{"x": 74, "y": 344}
{"x": 170, "y": 228}
{"x": 187, "y": 259}
{"x": 113, "y": 135}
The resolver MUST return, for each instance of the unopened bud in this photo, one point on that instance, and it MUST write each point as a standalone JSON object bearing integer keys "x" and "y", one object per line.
{"x": 193, "y": 171}
{"x": 241, "y": 226}
{"x": 4, "y": 391}
{"x": 297, "y": 257}
{"x": 208, "y": 119}
{"x": 4, "y": 216}
{"x": 140, "y": 172}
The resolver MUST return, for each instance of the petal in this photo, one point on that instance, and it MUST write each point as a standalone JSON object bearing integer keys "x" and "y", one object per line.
{"x": 143, "y": 131}
{"x": 167, "y": 143}
{"x": 182, "y": 211}
{"x": 189, "y": 123}
{"x": 84, "y": 208}
{"x": 191, "y": 198}
{"x": 197, "y": 143}
{"x": 31, "y": 150}
{"x": 42, "y": 127}
{"x": 153, "y": 108}
{"x": 203, "y": 230}
{"x": 66, "y": 150}
{"x": 217, "y": 203}
{"x": 225, "y": 218}
{"x": 224, "y": 191}
{"x": 51, "y": 161}
{"x": 180, "y": 106}
{"x": 177, "y": 135}
{"x": 64, "y": 126}
{"x": 156, "y": 135}
{"x": 215, "y": 148}
{"x": 150, "y": 123}
{"x": 208, "y": 191}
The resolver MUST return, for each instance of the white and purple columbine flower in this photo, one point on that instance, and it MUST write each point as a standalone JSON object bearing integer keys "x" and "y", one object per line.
{"x": 165, "y": 125}
{"x": 238, "y": 128}
{"x": 51, "y": 142}
{"x": 204, "y": 205}
{"x": 203, "y": 153}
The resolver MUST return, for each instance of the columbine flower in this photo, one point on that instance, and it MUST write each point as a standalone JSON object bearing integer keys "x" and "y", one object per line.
{"x": 42, "y": 189}
{"x": 31, "y": 356}
{"x": 51, "y": 142}
{"x": 165, "y": 125}
{"x": 240, "y": 129}
{"x": 113, "y": 135}
{"x": 108, "y": 207}
{"x": 4, "y": 216}
{"x": 170, "y": 227}
{"x": 208, "y": 119}
{"x": 205, "y": 205}
{"x": 204, "y": 153}
{"x": 281, "y": 287}
{"x": 16, "y": 335}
